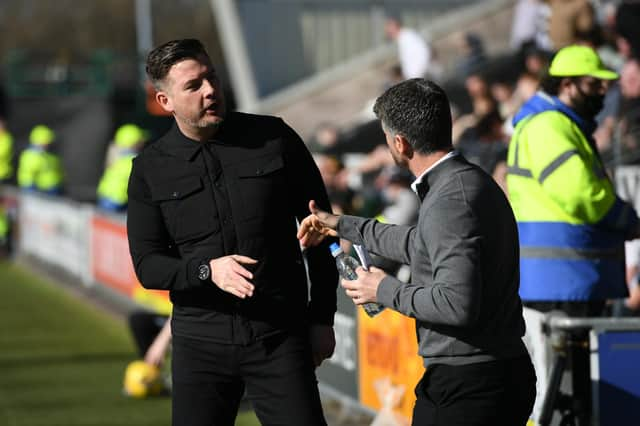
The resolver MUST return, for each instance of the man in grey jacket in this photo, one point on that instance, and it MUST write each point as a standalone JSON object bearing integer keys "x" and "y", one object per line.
{"x": 464, "y": 261}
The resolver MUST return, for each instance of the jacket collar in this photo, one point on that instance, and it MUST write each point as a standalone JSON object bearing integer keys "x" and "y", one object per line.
{"x": 542, "y": 102}
{"x": 175, "y": 143}
{"x": 422, "y": 184}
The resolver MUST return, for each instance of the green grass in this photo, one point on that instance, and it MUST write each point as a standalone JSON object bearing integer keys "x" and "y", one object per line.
{"x": 62, "y": 361}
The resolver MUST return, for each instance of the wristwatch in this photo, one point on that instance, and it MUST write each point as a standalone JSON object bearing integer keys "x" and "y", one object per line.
{"x": 204, "y": 271}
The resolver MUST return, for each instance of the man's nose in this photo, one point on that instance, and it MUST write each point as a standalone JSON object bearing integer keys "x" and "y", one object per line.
{"x": 208, "y": 87}
{"x": 604, "y": 86}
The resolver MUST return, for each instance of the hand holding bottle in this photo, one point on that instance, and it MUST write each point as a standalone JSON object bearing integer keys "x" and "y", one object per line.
{"x": 361, "y": 285}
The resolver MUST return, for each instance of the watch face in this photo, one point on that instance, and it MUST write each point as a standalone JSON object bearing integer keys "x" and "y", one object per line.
{"x": 203, "y": 272}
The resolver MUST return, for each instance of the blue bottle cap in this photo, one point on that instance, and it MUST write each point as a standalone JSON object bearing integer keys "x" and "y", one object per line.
{"x": 334, "y": 246}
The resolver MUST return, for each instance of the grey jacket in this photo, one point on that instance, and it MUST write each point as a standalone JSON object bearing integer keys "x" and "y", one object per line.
{"x": 464, "y": 260}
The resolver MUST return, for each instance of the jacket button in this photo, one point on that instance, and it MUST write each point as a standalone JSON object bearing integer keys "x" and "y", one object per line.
{"x": 259, "y": 172}
{"x": 175, "y": 194}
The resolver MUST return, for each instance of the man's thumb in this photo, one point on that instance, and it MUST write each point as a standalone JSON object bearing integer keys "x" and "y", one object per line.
{"x": 312, "y": 207}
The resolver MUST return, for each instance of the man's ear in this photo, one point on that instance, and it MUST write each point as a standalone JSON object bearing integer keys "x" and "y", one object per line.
{"x": 164, "y": 101}
{"x": 402, "y": 145}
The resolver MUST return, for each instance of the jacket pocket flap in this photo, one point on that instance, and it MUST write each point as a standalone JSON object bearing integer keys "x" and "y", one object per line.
{"x": 176, "y": 190}
{"x": 257, "y": 167}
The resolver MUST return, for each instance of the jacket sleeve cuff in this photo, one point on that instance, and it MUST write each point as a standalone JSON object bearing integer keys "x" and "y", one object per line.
{"x": 192, "y": 273}
{"x": 387, "y": 289}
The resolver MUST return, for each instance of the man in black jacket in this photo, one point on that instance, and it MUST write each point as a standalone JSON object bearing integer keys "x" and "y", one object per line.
{"x": 212, "y": 218}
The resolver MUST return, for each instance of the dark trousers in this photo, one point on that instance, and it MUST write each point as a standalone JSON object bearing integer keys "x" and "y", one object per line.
{"x": 209, "y": 380}
{"x": 495, "y": 393}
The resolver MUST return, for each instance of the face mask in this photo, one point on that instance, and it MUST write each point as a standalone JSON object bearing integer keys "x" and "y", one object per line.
{"x": 593, "y": 104}
{"x": 590, "y": 104}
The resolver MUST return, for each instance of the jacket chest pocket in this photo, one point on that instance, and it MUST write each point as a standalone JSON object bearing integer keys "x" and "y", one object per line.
{"x": 261, "y": 183}
{"x": 188, "y": 208}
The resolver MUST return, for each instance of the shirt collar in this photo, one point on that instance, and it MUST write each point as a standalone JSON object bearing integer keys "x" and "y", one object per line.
{"x": 420, "y": 186}
{"x": 179, "y": 145}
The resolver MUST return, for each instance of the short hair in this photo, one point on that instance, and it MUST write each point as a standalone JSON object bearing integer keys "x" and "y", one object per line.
{"x": 419, "y": 110}
{"x": 162, "y": 58}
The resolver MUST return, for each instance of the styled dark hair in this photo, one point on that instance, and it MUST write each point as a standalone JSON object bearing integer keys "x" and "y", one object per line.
{"x": 162, "y": 58}
{"x": 419, "y": 110}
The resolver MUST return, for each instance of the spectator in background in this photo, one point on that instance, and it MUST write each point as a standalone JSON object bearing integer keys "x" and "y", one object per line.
{"x": 340, "y": 194}
{"x": 526, "y": 87}
{"x": 39, "y": 169}
{"x": 112, "y": 188}
{"x": 629, "y": 112}
{"x": 481, "y": 103}
{"x": 503, "y": 93}
{"x": 211, "y": 218}
{"x": 414, "y": 53}
{"x": 571, "y": 223}
{"x": 6, "y": 175}
{"x": 473, "y": 55}
{"x": 625, "y": 21}
{"x": 6, "y": 155}
{"x": 525, "y": 27}
{"x": 627, "y": 25}
{"x": 569, "y": 21}
{"x": 325, "y": 136}
{"x": 536, "y": 62}
{"x": 4, "y": 231}
{"x": 485, "y": 145}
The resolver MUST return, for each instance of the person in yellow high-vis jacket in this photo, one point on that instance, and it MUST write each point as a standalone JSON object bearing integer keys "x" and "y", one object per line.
{"x": 112, "y": 189}
{"x": 4, "y": 227}
{"x": 572, "y": 226}
{"x": 6, "y": 154}
{"x": 39, "y": 169}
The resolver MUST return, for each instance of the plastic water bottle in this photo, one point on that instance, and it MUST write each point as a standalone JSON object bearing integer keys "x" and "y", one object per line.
{"x": 347, "y": 269}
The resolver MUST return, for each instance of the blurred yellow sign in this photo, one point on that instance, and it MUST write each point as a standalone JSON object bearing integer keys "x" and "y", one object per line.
{"x": 388, "y": 349}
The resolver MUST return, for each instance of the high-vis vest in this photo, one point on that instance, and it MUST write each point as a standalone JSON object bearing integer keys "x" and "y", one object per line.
{"x": 6, "y": 152}
{"x": 4, "y": 225}
{"x": 571, "y": 224}
{"x": 115, "y": 180}
{"x": 39, "y": 170}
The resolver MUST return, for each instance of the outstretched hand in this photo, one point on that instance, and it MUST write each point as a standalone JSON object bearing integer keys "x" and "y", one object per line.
{"x": 317, "y": 226}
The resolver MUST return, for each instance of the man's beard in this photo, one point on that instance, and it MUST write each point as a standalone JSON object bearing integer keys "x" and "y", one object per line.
{"x": 400, "y": 162}
{"x": 589, "y": 105}
{"x": 204, "y": 124}
{"x": 593, "y": 105}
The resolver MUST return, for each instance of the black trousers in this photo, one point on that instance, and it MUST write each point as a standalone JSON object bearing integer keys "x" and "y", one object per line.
{"x": 495, "y": 393}
{"x": 209, "y": 380}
